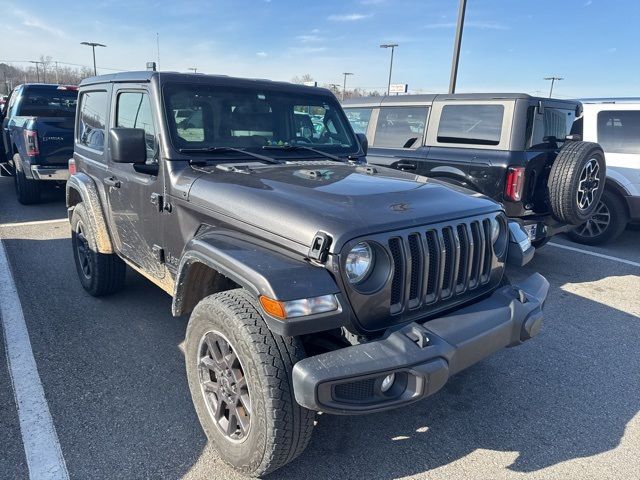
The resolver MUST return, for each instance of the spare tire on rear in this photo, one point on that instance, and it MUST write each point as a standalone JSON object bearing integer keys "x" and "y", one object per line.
{"x": 576, "y": 182}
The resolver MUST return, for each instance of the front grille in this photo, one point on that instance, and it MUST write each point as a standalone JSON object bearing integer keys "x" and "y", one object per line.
{"x": 439, "y": 263}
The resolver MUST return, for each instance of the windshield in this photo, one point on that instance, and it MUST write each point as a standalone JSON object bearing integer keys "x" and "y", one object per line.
{"x": 51, "y": 102}
{"x": 207, "y": 116}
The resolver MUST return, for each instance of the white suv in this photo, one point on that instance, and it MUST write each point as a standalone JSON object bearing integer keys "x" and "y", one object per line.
{"x": 615, "y": 124}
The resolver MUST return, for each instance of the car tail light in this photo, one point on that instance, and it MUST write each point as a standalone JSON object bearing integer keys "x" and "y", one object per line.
{"x": 72, "y": 88}
{"x": 31, "y": 141}
{"x": 72, "y": 166}
{"x": 515, "y": 183}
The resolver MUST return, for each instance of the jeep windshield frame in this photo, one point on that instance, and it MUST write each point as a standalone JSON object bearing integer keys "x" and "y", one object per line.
{"x": 201, "y": 117}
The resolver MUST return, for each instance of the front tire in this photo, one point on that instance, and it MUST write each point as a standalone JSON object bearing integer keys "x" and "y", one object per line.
{"x": 607, "y": 223}
{"x": 27, "y": 190}
{"x": 239, "y": 375}
{"x": 99, "y": 273}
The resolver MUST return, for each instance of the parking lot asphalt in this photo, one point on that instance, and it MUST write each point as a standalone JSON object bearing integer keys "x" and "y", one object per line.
{"x": 565, "y": 405}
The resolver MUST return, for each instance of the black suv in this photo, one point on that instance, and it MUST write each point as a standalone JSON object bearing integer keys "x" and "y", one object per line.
{"x": 314, "y": 281}
{"x": 517, "y": 149}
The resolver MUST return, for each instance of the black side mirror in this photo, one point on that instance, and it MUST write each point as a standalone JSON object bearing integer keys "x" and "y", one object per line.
{"x": 128, "y": 145}
{"x": 364, "y": 143}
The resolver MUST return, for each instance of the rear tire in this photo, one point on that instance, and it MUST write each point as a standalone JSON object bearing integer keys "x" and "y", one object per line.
{"x": 607, "y": 223}
{"x": 576, "y": 182}
{"x": 27, "y": 190}
{"x": 99, "y": 273}
{"x": 275, "y": 429}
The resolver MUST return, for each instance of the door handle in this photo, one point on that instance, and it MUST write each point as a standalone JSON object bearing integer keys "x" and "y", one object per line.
{"x": 112, "y": 182}
{"x": 406, "y": 165}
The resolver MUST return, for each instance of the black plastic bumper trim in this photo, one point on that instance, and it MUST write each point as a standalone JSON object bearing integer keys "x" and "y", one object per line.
{"x": 510, "y": 316}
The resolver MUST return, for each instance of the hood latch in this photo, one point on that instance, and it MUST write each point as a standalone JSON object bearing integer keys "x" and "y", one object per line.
{"x": 320, "y": 247}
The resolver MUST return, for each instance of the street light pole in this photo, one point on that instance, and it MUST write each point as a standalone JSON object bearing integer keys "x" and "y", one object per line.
{"x": 93, "y": 46}
{"x": 392, "y": 46}
{"x": 344, "y": 84}
{"x": 194, "y": 69}
{"x": 553, "y": 81}
{"x": 37, "y": 70}
{"x": 456, "y": 47}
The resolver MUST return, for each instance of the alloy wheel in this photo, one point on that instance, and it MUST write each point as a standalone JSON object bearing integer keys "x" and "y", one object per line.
{"x": 597, "y": 224}
{"x": 83, "y": 250}
{"x": 588, "y": 184}
{"x": 224, "y": 386}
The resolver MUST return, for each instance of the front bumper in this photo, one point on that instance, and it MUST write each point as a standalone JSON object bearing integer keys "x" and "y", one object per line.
{"x": 41, "y": 172}
{"x": 422, "y": 357}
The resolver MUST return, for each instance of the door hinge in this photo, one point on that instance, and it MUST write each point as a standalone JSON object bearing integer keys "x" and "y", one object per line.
{"x": 156, "y": 199}
{"x": 158, "y": 253}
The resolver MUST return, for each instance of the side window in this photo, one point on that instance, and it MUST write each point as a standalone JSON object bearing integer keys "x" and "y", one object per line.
{"x": 92, "y": 120}
{"x": 471, "y": 124}
{"x": 552, "y": 123}
{"x": 12, "y": 102}
{"x": 133, "y": 110}
{"x": 359, "y": 118}
{"x": 400, "y": 127}
{"x": 619, "y": 131}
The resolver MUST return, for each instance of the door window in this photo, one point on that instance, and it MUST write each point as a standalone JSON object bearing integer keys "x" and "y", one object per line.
{"x": 92, "y": 119}
{"x": 471, "y": 124}
{"x": 359, "y": 118}
{"x": 619, "y": 131}
{"x": 134, "y": 111}
{"x": 400, "y": 127}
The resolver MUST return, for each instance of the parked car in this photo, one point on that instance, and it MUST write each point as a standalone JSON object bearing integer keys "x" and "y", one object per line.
{"x": 615, "y": 124}
{"x": 314, "y": 281}
{"x": 37, "y": 136}
{"x": 510, "y": 147}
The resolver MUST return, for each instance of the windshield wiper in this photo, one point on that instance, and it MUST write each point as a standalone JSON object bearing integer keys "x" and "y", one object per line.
{"x": 302, "y": 147}
{"x": 227, "y": 150}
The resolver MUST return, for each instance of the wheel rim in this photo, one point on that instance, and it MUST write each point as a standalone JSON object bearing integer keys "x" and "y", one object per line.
{"x": 588, "y": 184}
{"x": 597, "y": 224}
{"x": 224, "y": 386}
{"x": 83, "y": 251}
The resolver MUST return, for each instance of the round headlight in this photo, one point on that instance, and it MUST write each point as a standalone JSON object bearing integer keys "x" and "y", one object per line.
{"x": 359, "y": 262}
{"x": 495, "y": 229}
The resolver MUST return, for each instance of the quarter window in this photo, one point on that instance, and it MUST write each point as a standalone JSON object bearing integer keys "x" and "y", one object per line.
{"x": 400, "y": 127}
{"x": 359, "y": 118}
{"x": 134, "y": 111}
{"x": 554, "y": 124}
{"x": 92, "y": 120}
{"x": 619, "y": 131}
{"x": 471, "y": 124}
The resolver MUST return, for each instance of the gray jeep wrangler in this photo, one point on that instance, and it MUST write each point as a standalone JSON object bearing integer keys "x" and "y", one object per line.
{"x": 314, "y": 282}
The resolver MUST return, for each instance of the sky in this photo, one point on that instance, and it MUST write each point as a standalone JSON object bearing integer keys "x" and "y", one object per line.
{"x": 507, "y": 46}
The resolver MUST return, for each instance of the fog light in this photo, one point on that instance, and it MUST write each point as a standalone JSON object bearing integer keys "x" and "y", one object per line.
{"x": 387, "y": 382}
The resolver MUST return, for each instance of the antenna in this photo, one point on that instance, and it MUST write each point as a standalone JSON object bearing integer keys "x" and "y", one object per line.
{"x": 158, "y": 49}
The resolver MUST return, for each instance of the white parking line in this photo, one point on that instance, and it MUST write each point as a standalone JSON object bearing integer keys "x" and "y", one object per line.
{"x": 41, "y": 446}
{"x": 37, "y": 222}
{"x": 595, "y": 254}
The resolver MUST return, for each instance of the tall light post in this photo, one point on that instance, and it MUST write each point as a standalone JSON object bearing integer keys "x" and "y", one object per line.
{"x": 37, "y": 69}
{"x": 344, "y": 83}
{"x": 193, "y": 69}
{"x": 553, "y": 80}
{"x": 456, "y": 47}
{"x": 93, "y": 46}
{"x": 392, "y": 46}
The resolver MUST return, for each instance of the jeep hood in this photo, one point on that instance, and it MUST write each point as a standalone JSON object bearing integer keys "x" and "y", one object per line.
{"x": 297, "y": 201}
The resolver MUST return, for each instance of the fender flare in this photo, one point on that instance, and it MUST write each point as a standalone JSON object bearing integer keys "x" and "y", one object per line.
{"x": 255, "y": 267}
{"x": 81, "y": 188}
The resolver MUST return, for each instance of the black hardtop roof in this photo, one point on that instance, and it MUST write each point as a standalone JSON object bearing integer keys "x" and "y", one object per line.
{"x": 148, "y": 76}
{"x": 428, "y": 98}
